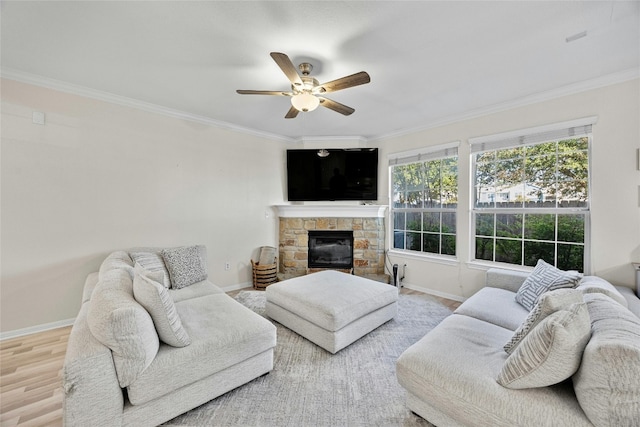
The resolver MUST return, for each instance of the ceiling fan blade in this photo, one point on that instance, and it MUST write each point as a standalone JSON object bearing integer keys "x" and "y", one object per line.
{"x": 356, "y": 79}
{"x": 287, "y": 68}
{"x": 336, "y": 106}
{"x": 292, "y": 113}
{"x": 263, "y": 92}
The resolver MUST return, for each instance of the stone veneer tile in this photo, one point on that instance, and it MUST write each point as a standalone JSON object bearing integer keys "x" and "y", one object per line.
{"x": 369, "y": 237}
{"x": 361, "y": 244}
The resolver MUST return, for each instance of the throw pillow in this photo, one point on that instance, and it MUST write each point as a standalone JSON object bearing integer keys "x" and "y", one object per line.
{"x": 548, "y": 303}
{"x": 156, "y": 300}
{"x": 607, "y": 384}
{"x": 152, "y": 262}
{"x": 544, "y": 278}
{"x": 185, "y": 266}
{"x": 551, "y": 352}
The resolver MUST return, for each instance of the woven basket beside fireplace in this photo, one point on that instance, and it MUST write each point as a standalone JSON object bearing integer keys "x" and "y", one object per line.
{"x": 264, "y": 275}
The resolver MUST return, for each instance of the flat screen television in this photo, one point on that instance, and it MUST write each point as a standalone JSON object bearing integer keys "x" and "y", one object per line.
{"x": 333, "y": 174}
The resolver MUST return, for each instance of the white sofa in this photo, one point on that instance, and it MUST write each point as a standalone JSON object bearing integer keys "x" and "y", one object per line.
{"x": 451, "y": 374}
{"x": 117, "y": 371}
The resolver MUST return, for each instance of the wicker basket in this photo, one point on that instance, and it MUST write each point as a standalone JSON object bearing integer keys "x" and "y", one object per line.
{"x": 264, "y": 275}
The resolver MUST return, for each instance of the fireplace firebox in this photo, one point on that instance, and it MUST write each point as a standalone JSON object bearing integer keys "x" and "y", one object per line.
{"x": 330, "y": 249}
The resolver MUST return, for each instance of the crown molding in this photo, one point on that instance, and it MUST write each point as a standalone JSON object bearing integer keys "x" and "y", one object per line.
{"x": 571, "y": 89}
{"x": 359, "y": 140}
{"x": 47, "y": 83}
{"x": 597, "y": 83}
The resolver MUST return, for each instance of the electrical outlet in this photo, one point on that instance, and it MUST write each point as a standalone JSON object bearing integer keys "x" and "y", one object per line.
{"x": 227, "y": 266}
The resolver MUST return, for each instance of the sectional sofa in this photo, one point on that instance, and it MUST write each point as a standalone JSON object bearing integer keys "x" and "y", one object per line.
{"x": 570, "y": 358}
{"x": 154, "y": 339}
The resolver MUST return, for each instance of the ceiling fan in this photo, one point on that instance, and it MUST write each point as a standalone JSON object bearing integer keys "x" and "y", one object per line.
{"x": 306, "y": 93}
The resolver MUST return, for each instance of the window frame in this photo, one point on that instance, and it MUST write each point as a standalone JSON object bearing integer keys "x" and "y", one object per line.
{"x": 423, "y": 155}
{"x": 530, "y": 137}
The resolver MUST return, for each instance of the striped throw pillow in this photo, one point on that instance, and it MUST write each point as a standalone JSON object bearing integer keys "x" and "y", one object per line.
{"x": 551, "y": 352}
{"x": 152, "y": 262}
{"x": 548, "y": 304}
{"x": 156, "y": 300}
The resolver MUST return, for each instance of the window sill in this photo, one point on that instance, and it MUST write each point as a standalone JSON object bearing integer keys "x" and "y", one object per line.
{"x": 486, "y": 265}
{"x": 445, "y": 259}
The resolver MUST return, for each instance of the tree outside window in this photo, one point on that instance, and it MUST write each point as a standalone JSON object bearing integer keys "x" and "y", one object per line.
{"x": 425, "y": 198}
{"x": 532, "y": 202}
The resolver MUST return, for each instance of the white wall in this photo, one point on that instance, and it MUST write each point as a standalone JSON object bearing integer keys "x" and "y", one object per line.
{"x": 615, "y": 191}
{"x": 99, "y": 177}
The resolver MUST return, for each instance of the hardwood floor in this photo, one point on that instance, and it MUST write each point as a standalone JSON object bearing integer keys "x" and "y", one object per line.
{"x": 30, "y": 378}
{"x": 30, "y": 375}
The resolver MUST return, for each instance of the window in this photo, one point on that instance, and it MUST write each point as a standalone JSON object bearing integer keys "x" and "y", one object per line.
{"x": 424, "y": 192}
{"x": 531, "y": 198}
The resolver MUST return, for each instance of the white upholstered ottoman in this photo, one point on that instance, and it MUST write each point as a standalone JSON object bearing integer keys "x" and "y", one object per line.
{"x": 330, "y": 308}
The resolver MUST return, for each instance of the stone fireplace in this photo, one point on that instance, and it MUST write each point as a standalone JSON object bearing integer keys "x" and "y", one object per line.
{"x": 366, "y": 222}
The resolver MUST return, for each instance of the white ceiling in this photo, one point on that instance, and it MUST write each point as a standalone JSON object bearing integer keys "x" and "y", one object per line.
{"x": 430, "y": 61}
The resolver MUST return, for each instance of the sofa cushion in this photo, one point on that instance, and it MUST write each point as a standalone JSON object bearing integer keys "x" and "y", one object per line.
{"x": 115, "y": 260}
{"x": 482, "y": 305}
{"x": 511, "y": 280}
{"x": 155, "y": 298}
{"x": 223, "y": 333}
{"x": 90, "y": 284}
{"x": 551, "y": 352}
{"x": 153, "y": 262}
{"x": 544, "y": 278}
{"x": 184, "y": 265}
{"x": 198, "y": 289}
{"x": 549, "y": 303}
{"x": 123, "y": 325}
{"x": 591, "y": 284}
{"x": 607, "y": 384}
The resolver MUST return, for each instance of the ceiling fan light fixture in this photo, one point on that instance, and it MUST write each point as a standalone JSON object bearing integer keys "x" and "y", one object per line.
{"x": 305, "y": 102}
{"x": 304, "y": 88}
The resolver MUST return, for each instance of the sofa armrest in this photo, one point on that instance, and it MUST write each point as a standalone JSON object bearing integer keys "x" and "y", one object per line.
{"x": 510, "y": 280}
{"x": 633, "y": 302}
{"x": 91, "y": 393}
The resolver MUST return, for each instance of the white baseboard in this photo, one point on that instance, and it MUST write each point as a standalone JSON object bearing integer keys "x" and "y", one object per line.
{"x": 35, "y": 329}
{"x": 433, "y": 292}
{"x": 238, "y": 286}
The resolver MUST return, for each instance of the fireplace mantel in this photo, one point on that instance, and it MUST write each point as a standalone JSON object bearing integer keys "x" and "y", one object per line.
{"x": 331, "y": 211}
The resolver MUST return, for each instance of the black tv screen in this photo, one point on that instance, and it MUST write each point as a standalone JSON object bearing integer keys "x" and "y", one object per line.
{"x": 333, "y": 174}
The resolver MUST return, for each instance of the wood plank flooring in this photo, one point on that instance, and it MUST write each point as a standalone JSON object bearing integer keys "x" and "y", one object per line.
{"x": 30, "y": 378}
{"x": 30, "y": 375}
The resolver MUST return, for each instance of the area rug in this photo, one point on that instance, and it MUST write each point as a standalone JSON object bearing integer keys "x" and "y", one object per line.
{"x": 311, "y": 387}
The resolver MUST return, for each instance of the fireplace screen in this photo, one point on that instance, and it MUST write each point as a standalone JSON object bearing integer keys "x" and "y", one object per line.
{"x": 330, "y": 249}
